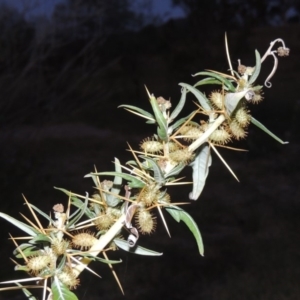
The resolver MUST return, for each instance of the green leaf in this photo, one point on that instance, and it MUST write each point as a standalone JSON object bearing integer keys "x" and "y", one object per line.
{"x": 207, "y": 81}
{"x": 111, "y": 199}
{"x": 26, "y": 292}
{"x": 26, "y": 249}
{"x": 162, "y": 129}
{"x": 176, "y": 170}
{"x": 232, "y": 100}
{"x": 200, "y": 166}
{"x": 257, "y": 68}
{"x": 124, "y": 245}
{"x": 42, "y": 213}
{"x": 96, "y": 258}
{"x": 146, "y": 114}
{"x": 157, "y": 172}
{"x": 61, "y": 291}
{"x": 179, "y": 106}
{"x": 179, "y": 122}
{"x": 219, "y": 77}
{"x": 76, "y": 202}
{"x": 266, "y": 130}
{"x": 180, "y": 215}
{"x": 204, "y": 102}
{"x": 133, "y": 181}
{"x": 77, "y": 215}
{"x": 40, "y": 238}
{"x": 26, "y": 228}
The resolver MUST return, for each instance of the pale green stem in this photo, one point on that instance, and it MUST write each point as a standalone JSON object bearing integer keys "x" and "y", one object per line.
{"x": 103, "y": 241}
{"x": 203, "y": 138}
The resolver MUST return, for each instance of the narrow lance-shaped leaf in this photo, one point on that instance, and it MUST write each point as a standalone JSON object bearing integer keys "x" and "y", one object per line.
{"x": 133, "y": 181}
{"x": 26, "y": 228}
{"x": 142, "y": 112}
{"x": 207, "y": 81}
{"x": 200, "y": 97}
{"x": 232, "y": 100}
{"x": 257, "y": 68}
{"x": 180, "y": 215}
{"x": 219, "y": 77}
{"x": 176, "y": 170}
{"x": 200, "y": 166}
{"x": 266, "y": 130}
{"x": 179, "y": 122}
{"x": 42, "y": 213}
{"x": 79, "y": 212}
{"x": 111, "y": 199}
{"x": 61, "y": 291}
{"x": 180, "y": 105}
{"x": 162, "y": 129}
{"x": 157, "y": 172}
{"x": 124, "y": 245}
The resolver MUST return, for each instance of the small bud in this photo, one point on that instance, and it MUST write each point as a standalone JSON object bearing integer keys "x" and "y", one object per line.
{"x": 283, "y": 51}
{"x": 58, "y": 208}
{"x": 163, "y": 103}
{"x": 242, "y": 69}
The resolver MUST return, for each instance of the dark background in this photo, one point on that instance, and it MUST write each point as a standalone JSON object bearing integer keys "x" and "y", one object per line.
{"x": 61, "y": 81}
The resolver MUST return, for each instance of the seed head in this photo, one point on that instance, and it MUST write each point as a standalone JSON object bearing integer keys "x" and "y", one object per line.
{"x": 104, "y": 221}
{"x": 68, "y": 277}
{"x": 182, "y": 155}
{"x": 217, "y": 99}
{"x": 146, "y": 222}
{"x": 243, "y": 117}
{"x": 37, "y": 263}
{"x": 59, "y": 247}
{"x": 151, "y": 146}
{"x": 83, "y": 240}
{"x": 220, "y": 136}
{"x": 237, "y": 131}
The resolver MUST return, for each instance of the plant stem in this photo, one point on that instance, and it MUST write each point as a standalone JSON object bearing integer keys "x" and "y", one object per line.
{"x": 203, "y": 138}
{"x": 101, "y": 244}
